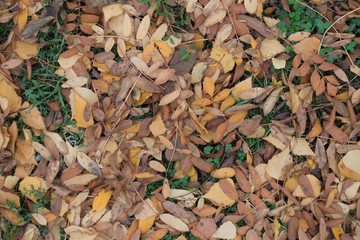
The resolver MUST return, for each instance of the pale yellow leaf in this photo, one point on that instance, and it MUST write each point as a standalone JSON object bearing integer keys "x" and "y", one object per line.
{"x": 143, "y": 27}
{"x": 220, "y": 54}
{"x": 269, "y": 48}
{"x": 226, "y": 231}
{"x": 112, "y": 10}
{"x": 174, "y": 222}
{"x": 251, "y": 6}
{"x": 217, "y": 195}
{"x": 279, "y": 165}
{"x": 302, "y": 147}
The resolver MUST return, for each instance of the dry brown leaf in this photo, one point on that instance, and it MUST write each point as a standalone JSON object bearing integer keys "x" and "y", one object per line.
{"x": 169, "y": 98}
{"x": 87, "y": 163}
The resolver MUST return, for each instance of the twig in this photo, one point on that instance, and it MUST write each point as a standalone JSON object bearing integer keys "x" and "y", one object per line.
{"x": 332, "y": 25}
{"x": 5, "y": 10}
{"x": 233, "y": 25}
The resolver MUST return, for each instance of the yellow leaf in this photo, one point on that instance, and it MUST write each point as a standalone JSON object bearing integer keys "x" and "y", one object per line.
{"x": 220, "y": 132}
{"x": 222, "y": 95}
{"x": 199, "y": 41}
{"x": 157, "y": 127}
{"x": 238, "y": 61}
{"x": 22, "y": 19}
{"x": 180, "y": 174}
{"x": 26, "y": 50}
{"x": 101, "y": 200}
{"x": 241, "y": 87}
{"x": 217, "y": 195}
{"x": 146, "y": 224}
{"x": 148, "y": 53}
{"x": 164, "y": 49}
{"x": 157, "y": 235}
{"x": 29, "y": 186}
{"x": 209, "y": 86}
{"x": 315, "y": 130}
{"x": 133, "y": 129}
{"x": 81, "y": 110}
{"x": 10, "y": 94}
{"x": 32, "y": 116}
{"x": 135, "y": 160}
{"x": 25, "y": 152}
{"x": 202, "y": 102}
{"x": 221, "y": 55}
{"x": 337, "y": 231}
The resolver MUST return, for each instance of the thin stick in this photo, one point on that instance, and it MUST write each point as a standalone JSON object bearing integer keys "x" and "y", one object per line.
{"x": 332, "y": 25}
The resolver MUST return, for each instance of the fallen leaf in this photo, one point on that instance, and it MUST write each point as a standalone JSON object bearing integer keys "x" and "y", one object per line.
{"x": 26, "y": 50}
{"x": 269, "y": 48}
{"x": 226, "y": 231}
{"x": 81, "y": 110}
{"x": 101, "y": 200}
{"x": 157, "y": 127}
{"x": 30, "y": 184}
{"x": 216, "y": 194}
{"x": 302, "y": 147}
{"x": 221, "y": 55}
{"x": 307, "y": 48}
{"x": 174, "y": 222}
{"x": 10, "y": 94}
{"x": 279, "y": 165}
{"x": 32, "y": 116}
{"x": 251, "y": 6}
{"x": 87, "y": 163}
{"x": 112, "y": 10}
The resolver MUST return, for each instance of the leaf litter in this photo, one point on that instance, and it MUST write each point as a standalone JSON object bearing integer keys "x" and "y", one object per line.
{"x": 155, "y": 97}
